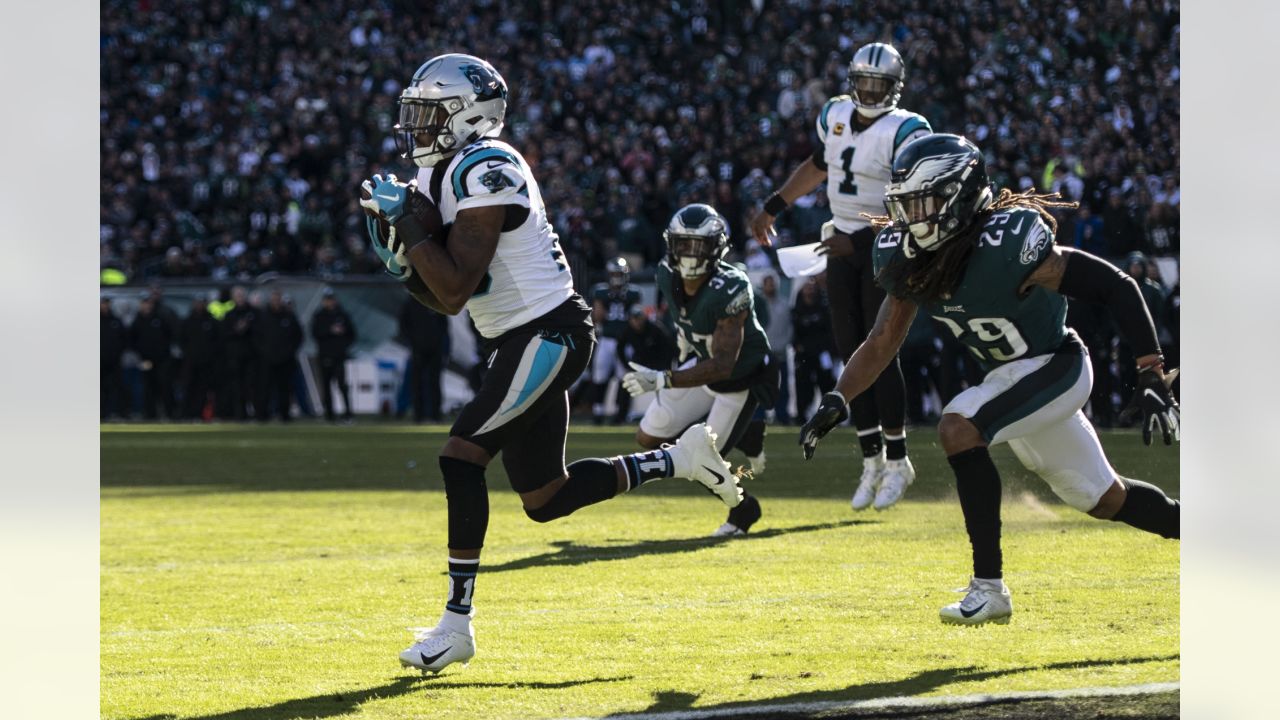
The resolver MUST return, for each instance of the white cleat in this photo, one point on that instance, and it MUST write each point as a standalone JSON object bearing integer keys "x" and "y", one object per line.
{"x": 872, "y": 470}
{"x": 728, "y": 530}
{"x": 436, "y": 648}
{"x": 695, "y": 457}
{"x": 985, "y": 601}
{"x": 897, "y": 475}
{"x": 757, "y": 464}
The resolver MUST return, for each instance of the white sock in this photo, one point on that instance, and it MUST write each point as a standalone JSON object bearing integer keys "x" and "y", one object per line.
{"x": 455, "y": 622}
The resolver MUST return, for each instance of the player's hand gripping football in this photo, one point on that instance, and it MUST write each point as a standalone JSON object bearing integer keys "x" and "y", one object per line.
{"x": 832, "y": 411}
{"x": 644, "y": 380}
{"x": 388, "y": 197}
{"x": 384, "y": 202}
{"x": 1154, "y": 400}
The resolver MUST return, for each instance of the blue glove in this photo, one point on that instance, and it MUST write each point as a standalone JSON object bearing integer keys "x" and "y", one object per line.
{"x": 383, "y": 251}
{"x": 387, "y": 197}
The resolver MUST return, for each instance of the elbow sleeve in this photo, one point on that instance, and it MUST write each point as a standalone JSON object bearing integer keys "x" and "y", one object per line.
{"x": 1092, "y": 279}
{"x": 818, "y": 159}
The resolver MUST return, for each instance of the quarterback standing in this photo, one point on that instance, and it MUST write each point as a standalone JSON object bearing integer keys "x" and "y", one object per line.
{"x": 726, "y": 370}
{"x": 987, "y": 268}
{"x": 501, "y": 260}
{"x": 859, "y": 136}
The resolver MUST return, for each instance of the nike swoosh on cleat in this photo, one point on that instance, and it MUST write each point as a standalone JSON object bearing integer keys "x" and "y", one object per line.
{"x": 971, "y": 613}
{"x": 719, "y": 477}
{"x": 428, "y": 660}
{"x": 388, "y": 197}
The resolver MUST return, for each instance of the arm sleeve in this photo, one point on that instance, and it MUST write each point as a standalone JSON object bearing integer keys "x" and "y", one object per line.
{"x": 1093, "y": 279}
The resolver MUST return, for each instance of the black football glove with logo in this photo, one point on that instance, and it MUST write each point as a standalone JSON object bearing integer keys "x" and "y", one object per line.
{"x": 831, "y": 412}
{"x": 1154, "y": 400}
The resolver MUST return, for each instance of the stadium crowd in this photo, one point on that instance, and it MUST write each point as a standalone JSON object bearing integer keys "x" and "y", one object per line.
{"x": 233, "y": 134}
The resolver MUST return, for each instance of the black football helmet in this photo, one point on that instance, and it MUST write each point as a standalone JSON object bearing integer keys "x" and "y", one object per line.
{"x": 619, "y": 273}
{"x": 938, "y": 186}
{"x": 697, "y": 238}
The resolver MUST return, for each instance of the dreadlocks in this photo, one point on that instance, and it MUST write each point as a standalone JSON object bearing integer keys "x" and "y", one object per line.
{"x": 933, "y": 276}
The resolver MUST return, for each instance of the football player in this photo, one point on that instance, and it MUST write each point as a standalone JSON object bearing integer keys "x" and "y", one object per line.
{"x": 987, "y": 268}
{"x": 725, "y": 369}
{"x": 859, "y": 135}
{"x": 611, "y": 307}
{"x": 501, "y": 260}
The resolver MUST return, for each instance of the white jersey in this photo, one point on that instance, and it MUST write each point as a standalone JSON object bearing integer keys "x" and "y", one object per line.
{"x": 528, "y": 276}
{"x": 859, "y": 163}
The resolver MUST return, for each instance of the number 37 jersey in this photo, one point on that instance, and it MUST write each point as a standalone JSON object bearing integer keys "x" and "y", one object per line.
{"x": 528, "y": 276}
{"x": 859, "y": 162}
{"x": 986, "y": 313}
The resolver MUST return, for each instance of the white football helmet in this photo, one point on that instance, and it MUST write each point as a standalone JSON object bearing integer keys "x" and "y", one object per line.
{"x": 453, "y": 100}
{"x": 697, "y": 238}
{"x": 876, "y": 76}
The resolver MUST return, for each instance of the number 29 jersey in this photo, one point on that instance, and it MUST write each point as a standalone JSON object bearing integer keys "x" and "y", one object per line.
{"x": 986, "y": 313}
{"x": 528, "y": 276}
{"x": 859, "y": 163}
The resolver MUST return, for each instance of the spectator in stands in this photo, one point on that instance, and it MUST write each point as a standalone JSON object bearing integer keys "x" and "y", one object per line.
{"x": 278, "y": 335}
{"x": 426, "y": 332}
{"x": 201, "y": 341}
{"x": 113, "y": 338}
{"x": 151, "y": 336}
{"x": 334, "y": 334}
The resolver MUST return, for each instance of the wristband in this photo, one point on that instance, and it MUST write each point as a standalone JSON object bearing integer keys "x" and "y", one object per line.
{"x": 775, "y": 205}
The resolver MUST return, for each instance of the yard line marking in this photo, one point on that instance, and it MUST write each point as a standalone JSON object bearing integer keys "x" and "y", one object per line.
{"x": 896, "y": 703}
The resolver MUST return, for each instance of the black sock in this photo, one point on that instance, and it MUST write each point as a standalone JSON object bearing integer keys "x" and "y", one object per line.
{"x": 1146, "y": 507}
{"x": 978, "y": 483}
{"x": 752, "y": 441}
{"x": 468, "y": 503}
{"x": 895, "y": 446}
{"x": 462, "y": 583}
{"x": 871, "y": 441}
{"x": 643, "y": 467}
{"x": 590, "y": 481}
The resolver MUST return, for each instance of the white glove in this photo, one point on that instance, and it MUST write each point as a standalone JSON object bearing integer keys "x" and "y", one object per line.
{"x": 645, "y": 380}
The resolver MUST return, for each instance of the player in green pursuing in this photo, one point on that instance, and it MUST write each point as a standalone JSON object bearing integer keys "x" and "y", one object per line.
{"x": 988, "y": 269}
{"x": 725, "y": 369}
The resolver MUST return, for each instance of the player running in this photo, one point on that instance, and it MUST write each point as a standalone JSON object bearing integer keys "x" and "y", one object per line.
{"x": 859, "y": 136}
{"x": 988, "y": 269}
{"x": 502, "y": 262}
{"x": 728, "y": 372}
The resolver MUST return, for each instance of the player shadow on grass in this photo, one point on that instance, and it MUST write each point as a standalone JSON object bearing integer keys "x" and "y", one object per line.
{"x": 342, "y": 703}
{"x": 570, "y": 553}
{"x": 922, "y": 682}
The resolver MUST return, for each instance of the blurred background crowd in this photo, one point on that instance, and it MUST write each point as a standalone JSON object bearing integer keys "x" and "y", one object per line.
{"x": 234, "y": 133}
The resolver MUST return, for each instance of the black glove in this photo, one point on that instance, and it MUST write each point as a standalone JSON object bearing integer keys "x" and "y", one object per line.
{"x": 1155, "y": 401}
{"x": 831, "y": 412}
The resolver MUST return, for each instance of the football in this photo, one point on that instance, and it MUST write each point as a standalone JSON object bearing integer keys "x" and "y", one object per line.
{"x": 421, "y": 221}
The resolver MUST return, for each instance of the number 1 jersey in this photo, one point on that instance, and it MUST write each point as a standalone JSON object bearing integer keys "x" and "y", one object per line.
{"x": 859, "y": 163}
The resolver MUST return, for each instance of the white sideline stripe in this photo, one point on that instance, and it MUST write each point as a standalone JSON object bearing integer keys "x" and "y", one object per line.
{"x": 904, "y": 702}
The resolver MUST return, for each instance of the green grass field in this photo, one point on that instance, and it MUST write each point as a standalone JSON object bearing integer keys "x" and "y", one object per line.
{"x": 269, "y": 573}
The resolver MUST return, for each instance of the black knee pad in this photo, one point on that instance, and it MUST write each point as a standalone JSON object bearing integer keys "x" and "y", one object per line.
{"x": 468, "y": 500}
{"x": 546, "y": 513}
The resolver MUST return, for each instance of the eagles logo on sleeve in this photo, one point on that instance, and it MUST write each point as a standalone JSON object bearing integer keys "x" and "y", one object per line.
{"x": 1037, "y": 240}
{"x": 739, "y": 302}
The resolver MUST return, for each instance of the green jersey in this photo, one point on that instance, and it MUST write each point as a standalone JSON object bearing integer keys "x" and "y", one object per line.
{"x": 725, "y": 294}
{"x": 986, "y": 313}
{"x": 617, "y": 307}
